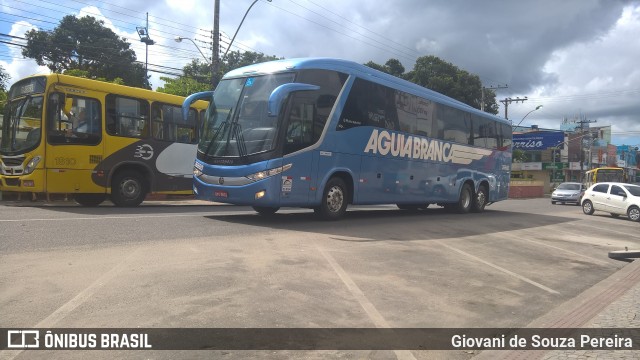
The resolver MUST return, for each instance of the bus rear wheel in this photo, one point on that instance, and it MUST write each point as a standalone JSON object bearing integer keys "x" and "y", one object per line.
{"x": 265, "y": 210}
{"x": 480, "y": 200}
{"x": 89, "y": 200}
{"x": 466, "y": 199}
{"x": 128, "y": 189}
{"x": 334, "y": 200}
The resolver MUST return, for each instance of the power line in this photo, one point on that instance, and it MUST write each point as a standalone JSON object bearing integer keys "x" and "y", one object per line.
{"x": 134, "y": 41}
{"x": 360, "y": 26}
{"x": 413, "y": 51}
{"x": 403, "y": 55}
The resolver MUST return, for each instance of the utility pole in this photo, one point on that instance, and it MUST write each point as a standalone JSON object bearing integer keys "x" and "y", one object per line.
{"x": 215, "y": 58}
{"x": 143, "y": 33}
{"x": 508, "y": 101}
{"x": 490, "y": 88}
{"x": 582, "y": 137}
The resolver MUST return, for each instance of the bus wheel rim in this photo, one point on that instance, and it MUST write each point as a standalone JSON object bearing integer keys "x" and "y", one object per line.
{"x": 335, "y": 198}
{"x": 130, "y": 188}
{"x": 466, "y": 199}
{"x": 481, "y": 199}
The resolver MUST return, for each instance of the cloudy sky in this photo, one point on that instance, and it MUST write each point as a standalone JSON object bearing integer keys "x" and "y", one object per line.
{"x": 576, "y": 58}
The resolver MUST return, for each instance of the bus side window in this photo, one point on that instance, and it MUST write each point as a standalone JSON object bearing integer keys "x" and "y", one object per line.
{"x": 127, "y": 117}
{"x": 84, "y": 126}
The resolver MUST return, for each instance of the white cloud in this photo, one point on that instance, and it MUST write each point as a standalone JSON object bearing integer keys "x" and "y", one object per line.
{"x": 598, "y": 78}
{"x": 19, "y": 66}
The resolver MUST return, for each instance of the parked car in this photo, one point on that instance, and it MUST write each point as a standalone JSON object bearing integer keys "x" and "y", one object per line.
{"x": 568, "y": 192}
{"x": 614, "y": 198}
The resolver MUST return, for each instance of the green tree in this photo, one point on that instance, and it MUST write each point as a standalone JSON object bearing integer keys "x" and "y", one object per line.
{"x": 85, "y": 44}
{"x": 85, "y": 74}
{"x": 197, "y": 74}
{"x": 183, "y": 86}
{"x": 392, "y": 66}
{"x": 519, "y": 155}
{"x": 445, "y": 78}
{"x": 4, "y": 84}
{"x": 237, "y": 59}
{"x": 4, "y": 79}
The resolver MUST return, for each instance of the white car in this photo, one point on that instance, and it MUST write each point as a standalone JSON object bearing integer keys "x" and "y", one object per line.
{"x": 614, "y": 198}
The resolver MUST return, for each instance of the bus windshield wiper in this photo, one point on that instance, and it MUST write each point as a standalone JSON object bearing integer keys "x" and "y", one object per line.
{"x": 242, "y": 148}
{"x": 220, "y": 129}
{"x": 16, "y": 121}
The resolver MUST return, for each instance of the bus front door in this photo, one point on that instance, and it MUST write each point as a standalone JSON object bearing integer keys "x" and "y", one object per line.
{"x": 74, "y": 144}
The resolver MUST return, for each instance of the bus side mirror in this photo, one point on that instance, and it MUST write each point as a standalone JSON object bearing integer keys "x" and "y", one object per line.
{"x": 68, "y": 104}
{"x": 186, "y": 104}
{"x": 281, "y": 92}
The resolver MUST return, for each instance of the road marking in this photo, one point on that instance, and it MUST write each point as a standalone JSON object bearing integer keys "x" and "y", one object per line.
{"x": 368, "y": 307}
{"x": 592, "y": 259}
{"x": 517, "y": 276}
{"x": 607, "y": 228}
{"x": 82, "y": 297}
{"x": 517, "y": 237}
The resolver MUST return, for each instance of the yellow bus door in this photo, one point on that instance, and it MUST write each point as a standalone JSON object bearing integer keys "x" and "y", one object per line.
{"x": 75, "y": 140}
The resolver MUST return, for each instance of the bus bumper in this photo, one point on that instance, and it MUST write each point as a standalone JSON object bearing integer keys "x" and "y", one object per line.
{"x": 33, "y": 182}
{"x": 260, "y": 193}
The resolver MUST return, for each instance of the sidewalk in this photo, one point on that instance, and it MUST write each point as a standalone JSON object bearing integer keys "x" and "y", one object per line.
{"x": 612, "y": 303}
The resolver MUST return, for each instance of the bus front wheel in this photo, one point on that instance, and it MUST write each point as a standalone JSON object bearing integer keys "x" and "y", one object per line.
{"x": 265, "y": 210}
{"x": 89, "y": 200}
{"x": 128, "y": 189}
{"x": 334, "y": 200}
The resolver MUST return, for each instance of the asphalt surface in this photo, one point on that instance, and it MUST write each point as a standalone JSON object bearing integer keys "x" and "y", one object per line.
{"x": 191, "y": 264}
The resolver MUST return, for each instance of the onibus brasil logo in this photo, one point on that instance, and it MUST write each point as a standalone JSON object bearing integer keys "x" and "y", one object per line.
{"x": 416, "y": 147}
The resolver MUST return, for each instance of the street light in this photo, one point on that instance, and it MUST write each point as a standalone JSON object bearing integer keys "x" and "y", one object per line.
{"x": 180, "y": 38}
{"x": 143, "y": 33}
{"x": 537, "y": 108}
{"x": 238, "y": 29}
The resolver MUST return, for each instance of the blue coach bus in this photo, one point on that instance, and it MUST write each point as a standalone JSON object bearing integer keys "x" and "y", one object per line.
{"x": 324, "y": 133}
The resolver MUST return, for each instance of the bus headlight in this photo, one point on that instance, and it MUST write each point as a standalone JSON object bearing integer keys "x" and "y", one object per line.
{"x": 268, "y": 173}
{"x": 197, "y": 169}
{"x": 31, "y": 165}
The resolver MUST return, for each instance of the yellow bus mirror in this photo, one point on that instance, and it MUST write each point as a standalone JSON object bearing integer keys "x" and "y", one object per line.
{"x": 68, "y": 104}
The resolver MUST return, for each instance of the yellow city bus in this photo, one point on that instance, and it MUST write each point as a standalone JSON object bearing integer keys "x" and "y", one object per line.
{"x": 604, "y": 174}
{"x": 70, "y": 135}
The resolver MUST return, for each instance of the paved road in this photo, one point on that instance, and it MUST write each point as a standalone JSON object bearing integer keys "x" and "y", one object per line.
{"x": 184, "y": 264}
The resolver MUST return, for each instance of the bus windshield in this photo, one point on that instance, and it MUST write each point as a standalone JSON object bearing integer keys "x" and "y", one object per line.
{"x": 237, "y": 122}
{"x": 20, "y": 130}
{"x": 21, "y": 125}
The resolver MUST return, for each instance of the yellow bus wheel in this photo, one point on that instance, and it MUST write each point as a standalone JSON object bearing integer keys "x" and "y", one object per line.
{"x": 128, "y": 188}
{"x": 89, "y": 199}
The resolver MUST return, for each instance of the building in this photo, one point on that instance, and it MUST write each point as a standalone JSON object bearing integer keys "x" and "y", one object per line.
{"x": 543, "y": 158}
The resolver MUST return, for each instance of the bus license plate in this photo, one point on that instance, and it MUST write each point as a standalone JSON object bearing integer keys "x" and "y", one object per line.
{"x": 223, "y": 194}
